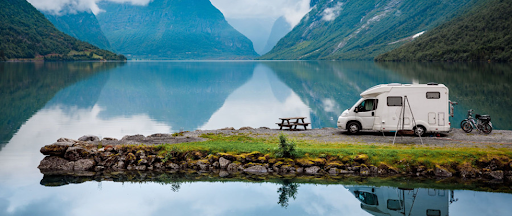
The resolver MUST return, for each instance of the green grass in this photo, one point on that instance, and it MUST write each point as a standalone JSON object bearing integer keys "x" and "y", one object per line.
{"x": 400, "y": 156}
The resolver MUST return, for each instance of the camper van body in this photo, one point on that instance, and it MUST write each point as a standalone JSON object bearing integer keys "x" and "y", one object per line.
{"x": 383, "y": 106}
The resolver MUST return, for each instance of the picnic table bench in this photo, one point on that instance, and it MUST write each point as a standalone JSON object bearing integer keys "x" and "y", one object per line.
{"x": 285, "y": 122}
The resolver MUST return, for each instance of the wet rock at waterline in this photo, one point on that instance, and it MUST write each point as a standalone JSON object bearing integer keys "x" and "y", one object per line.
{"x": 93, "y": 157}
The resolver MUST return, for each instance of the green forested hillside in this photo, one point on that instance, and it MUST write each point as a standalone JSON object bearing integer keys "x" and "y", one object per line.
{"x": 362, "y": 29}
{"x": 81, "y": 25}
{"x": 484, "y": 33}
{"x": 172, "y": 29}
{"x": 26, "y": 34}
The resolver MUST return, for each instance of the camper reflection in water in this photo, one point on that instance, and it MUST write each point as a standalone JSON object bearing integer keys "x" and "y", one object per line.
{"x": 403, "y": 201}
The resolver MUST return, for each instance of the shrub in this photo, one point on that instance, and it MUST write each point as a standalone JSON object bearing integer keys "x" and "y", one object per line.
{"x": 284, "y": 148}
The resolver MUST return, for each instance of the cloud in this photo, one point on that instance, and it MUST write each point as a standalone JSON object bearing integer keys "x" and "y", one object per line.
{"x": 292, "y": 10}
{"x": 60, "y": 7}
{"x": 329, "y": 14}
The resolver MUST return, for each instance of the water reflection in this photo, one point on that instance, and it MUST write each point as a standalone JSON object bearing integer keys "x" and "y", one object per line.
{"x": 402, "y": 201}
{"x": 201, "y": 193}
{"x": 484, "y": 87}
{"x": 25, "y": 88}
{"x": 329, "y": 87}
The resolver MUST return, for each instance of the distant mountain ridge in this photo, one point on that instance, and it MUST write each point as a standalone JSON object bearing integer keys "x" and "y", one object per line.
{"x": 81, "y": 25}
{"x": 172, "y": 29}
{"x": 280, "y": 28}
{"x": 26, "y": 34}
{"x": 362, "y": 29}
{"x": 481, "y": 34}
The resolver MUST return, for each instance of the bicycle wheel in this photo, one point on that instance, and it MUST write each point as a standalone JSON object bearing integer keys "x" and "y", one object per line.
{"x": 487, "y": 128}
{"x": 466, "y": 127}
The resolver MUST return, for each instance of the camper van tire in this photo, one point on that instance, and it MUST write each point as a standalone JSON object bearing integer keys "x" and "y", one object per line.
{"x": 353, "y": 127}
{"x": 419, "y": 130}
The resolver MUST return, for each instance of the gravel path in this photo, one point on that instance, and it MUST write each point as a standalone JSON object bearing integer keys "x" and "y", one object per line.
{"x": 456, "y": 138}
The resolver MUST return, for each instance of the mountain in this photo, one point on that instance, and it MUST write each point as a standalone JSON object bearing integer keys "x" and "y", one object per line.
{"x": 26, "y": 33}
{"x": 362, "y": 29}
{"x": 481, "y": 34}
{"x": 172, "y": 29}
{"x": 81, "y": 25}
{"x": 256, "y": 29}
{"x": 280, "y": 28}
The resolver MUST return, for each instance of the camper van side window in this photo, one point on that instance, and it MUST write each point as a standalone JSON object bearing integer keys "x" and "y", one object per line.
{"x": 394, "y": 101}
{"x": 433, "y": 95}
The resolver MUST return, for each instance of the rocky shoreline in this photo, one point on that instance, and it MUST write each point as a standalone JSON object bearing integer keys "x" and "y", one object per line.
{"x": 91, "y": 156}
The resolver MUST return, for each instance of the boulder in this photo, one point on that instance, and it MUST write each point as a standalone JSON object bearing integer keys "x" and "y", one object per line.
{"x": 442, "y": 172}
{"x": 90, "y": 138}
{"x": 76, "y": 153}
{"x": 256, "y": 169}
{"x": 173, "y": 166}
{"x": 300, "y": 170}
{"x": 216, "y": 164}
{"x": 223, "y": 173}
{"x": 266, "y": 128}
{"x": 312, "y": 170}
{"x": 246, "y": 128}
{"x": 223, "y": 163}
{"x": 333, "y": 171}
{"x": 361, "y": 158}
{"x": 498, "y": 174}
{"x": 203, "y": 165}
{"x": 62, "y": 139}
{"x": 232, "y": 167}
{"x": 54, "y": 163}
{"x": 364, "y": 170}
{"x": 83, "y": 164}
{"x": 228, "y": 128}
{"x": 345, "y": 172}
{"x": 56, "y": 149}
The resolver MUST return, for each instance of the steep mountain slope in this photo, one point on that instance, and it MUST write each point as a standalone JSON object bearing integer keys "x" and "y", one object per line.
{"x": 481, "y": 34}
{"x": 362, "y": 29}
{"x": 26, "y": 33}
{"x": 172, "y": 29}
{"x": 256, "y": 29}
{"x": 279, "y": 30}
{"x": 81, "y": 25}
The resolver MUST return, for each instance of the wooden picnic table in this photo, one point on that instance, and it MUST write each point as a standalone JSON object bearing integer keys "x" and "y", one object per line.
{"x": 285, "y": 122}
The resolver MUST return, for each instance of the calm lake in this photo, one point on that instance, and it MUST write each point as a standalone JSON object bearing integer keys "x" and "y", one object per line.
{"x": 41, "y": 102}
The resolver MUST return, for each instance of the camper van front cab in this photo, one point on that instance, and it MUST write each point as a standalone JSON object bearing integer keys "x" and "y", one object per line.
{"x": 390, "y": 107}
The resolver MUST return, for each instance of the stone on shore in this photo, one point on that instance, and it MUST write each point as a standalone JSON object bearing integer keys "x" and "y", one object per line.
{"x": 224, "y": 163}
{"x": 54, "y": 163}
{"x": 312, "y": 170}
{"x": 256, "y": 170}
{"x": 91, "y": 138}
{"x": 56, "y": 149}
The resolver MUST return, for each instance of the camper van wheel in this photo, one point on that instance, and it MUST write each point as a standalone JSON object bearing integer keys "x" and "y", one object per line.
{"x": 419, "y": 130}
{"x": 353, "y": 127}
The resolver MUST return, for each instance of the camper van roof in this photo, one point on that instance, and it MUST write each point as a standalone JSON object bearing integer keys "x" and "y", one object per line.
{"x": 379, "y": 89}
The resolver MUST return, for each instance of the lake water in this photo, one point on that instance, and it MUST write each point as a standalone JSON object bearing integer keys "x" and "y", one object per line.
{"x": 41, "y": 102}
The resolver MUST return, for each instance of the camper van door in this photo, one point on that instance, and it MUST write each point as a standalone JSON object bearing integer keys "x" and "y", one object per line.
{"x": 365, "y": 112}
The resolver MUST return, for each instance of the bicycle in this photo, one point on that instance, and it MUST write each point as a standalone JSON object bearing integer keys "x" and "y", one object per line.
{"x": 482, "y": 123}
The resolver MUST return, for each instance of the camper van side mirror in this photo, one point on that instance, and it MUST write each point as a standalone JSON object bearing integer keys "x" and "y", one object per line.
{"x": 356, "y": 110}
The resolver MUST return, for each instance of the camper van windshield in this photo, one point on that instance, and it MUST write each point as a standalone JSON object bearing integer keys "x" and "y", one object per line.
{"x": 367, "y": 105}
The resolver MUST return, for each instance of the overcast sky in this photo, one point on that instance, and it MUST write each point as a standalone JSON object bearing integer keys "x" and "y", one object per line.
{"x": 293, "y": 10}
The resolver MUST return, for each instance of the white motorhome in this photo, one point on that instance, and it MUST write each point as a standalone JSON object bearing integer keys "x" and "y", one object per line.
{"x": 402, "y": 201}
{"x": 421, "y": 108}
